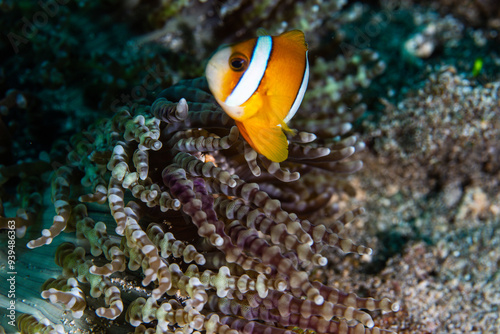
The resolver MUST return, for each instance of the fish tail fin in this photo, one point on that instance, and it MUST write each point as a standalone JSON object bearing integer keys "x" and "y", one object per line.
{"x": 268, "y": 141}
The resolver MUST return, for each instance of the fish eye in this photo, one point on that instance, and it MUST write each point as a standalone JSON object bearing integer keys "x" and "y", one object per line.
{"x": 238, "y": 62}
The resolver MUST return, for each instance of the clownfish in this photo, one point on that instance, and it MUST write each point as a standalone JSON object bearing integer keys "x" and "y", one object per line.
{"x": 260, "y": 83}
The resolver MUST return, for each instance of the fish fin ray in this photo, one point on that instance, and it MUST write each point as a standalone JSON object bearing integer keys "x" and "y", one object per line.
{"x": 244, "y": 133}
{"x": 287, "y": 129}
{"x": 296, "y": 36}
{"x": 262, "y": 32}
{"x": 269, "y": 141}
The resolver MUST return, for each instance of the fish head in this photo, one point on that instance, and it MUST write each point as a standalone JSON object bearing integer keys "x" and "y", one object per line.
{"x": 223, "y": 72}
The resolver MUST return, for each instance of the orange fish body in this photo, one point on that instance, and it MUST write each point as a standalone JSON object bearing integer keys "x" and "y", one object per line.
{"x": 260, "y": 83}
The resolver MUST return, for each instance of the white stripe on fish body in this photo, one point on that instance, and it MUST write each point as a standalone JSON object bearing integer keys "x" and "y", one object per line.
{"x": 250, "y": 80}
{"x": 300, "y": 94}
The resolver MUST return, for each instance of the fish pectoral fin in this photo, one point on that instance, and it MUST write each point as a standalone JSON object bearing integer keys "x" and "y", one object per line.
{"x": 285, "y": 128}
{"x": 277, "y": 109}
{"x": 271, "y": 142}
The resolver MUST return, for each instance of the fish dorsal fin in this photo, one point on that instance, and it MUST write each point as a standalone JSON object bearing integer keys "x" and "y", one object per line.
{"x": 262, "y": 32}
{"x": 268, "y": 141}
{"x": 296, "y": 37}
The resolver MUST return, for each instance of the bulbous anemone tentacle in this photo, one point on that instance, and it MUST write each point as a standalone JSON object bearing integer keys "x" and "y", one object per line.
{"x": 202, "y": 231}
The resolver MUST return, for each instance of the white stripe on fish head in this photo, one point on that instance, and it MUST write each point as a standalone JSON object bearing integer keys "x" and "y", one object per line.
{"x": 250, "y": 80}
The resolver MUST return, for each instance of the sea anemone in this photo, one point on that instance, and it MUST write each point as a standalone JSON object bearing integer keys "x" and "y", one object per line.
{"x": 205, "y": 234}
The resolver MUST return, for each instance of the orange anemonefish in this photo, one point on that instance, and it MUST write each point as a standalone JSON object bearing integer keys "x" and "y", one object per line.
{"x": 260, "y": 83}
